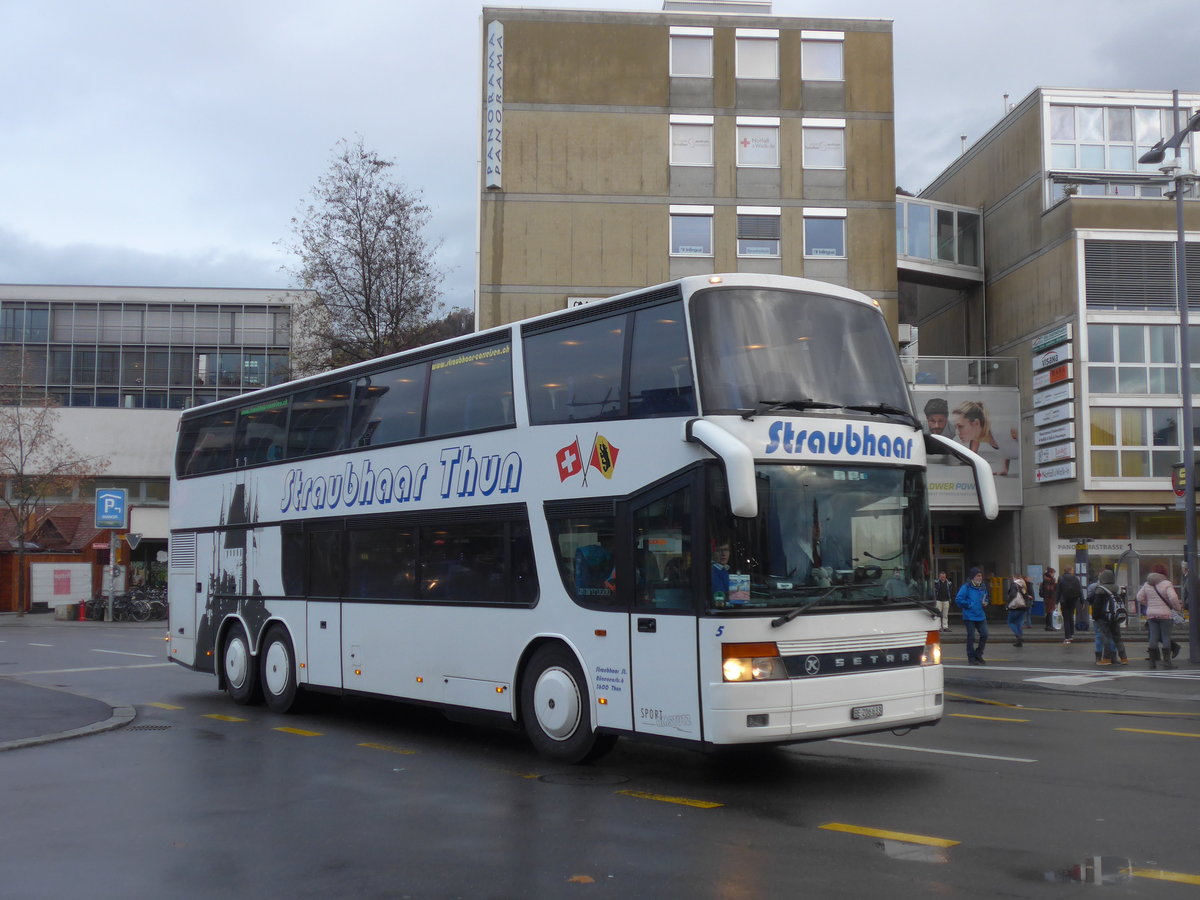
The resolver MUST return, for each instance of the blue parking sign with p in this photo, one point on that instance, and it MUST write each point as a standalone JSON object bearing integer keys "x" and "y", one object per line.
{"x": 110, "y": 508}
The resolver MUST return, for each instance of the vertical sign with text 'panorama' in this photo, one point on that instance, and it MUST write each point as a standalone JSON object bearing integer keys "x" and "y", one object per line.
{"x": 110, "y": 508}
{"x": 493, "y": 106}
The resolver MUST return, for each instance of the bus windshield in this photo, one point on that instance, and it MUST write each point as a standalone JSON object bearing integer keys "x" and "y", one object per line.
{"x": 825, "y": 537}
{"x": 761, "y": 346}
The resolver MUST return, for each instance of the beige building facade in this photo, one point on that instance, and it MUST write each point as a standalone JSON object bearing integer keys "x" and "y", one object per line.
{"x": 1079, "y": 248}
{"x": 625, "y": 149}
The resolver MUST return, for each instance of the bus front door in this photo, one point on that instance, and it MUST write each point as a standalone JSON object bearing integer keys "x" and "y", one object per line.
{"x": 663, "y": 623}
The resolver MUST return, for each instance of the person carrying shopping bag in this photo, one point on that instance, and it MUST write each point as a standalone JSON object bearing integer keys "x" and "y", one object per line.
{"x": 1158, "y": 598}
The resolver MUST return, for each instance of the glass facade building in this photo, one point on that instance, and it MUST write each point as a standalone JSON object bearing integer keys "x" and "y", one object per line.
{"x": 137, "y": 353}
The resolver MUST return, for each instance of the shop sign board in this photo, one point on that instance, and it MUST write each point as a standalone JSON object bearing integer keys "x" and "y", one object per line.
{"x": 1059, "y": 335}
{"x": 1048, "y": 377}
{"x": 1056, "y": 394}
{"x": 1086, "y": 514}
{"x": 1064, "y": 431}
{"x": 1044, "y": 455}
{"x": 1055, "y": 357}
{"x": 1053, "y": 414}
{"x": 1057, "y": 472}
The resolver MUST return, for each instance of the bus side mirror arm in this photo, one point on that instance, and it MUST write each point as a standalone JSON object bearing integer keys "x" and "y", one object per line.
{"x": 737, "y": 460}
{"x": 985, "y": 482}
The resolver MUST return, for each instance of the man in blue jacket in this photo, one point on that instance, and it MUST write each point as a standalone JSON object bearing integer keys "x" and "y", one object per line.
{"x": 971, "y": 599}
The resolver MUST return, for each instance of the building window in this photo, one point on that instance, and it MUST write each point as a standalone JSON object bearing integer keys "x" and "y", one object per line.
{"x": 825, "y": 233}
{"x": 757, "y": 52}
{"x": 691, "y": 52}
{"x": 758, "y": 231}
{"x": 691, "y": 140}
{"x": 1132, "y": 359}
{"x": 821, "y": 56}
{"x": 691, "y": 230}
{"x": 824, "y": 143}
{"x": 1098, "y": 138}
{"x": 1134, "y": 443}
{"x": 758, "y": 141}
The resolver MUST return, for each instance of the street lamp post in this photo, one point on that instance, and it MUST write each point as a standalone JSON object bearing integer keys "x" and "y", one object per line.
{"x": 1175, "y": 173}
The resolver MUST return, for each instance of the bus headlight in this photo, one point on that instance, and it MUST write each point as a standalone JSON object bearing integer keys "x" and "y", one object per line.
{"x": 752, "y": 662}
{"x": 932, "y": 655}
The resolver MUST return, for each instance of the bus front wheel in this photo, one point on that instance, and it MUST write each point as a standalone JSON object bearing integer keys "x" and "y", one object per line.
{"x": 238, "y": 666}
{"x": 278, "y": 670}
{"x": 556, "y": 710}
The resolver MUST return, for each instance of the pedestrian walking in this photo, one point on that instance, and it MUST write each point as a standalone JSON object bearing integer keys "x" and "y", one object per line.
{"x": 1047, "y": 591}
{"x": 1069, "y": 593}
{"x": 971, "y": 599}
{"x": 1019, "y": 598}
{"x": 1161, "y": 603}
{"x": 943, "y": 590}
{"x": 1107, "y": 614}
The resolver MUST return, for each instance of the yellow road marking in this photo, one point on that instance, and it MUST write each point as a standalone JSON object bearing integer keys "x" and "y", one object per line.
{"x": 221, "y": 718}
{"x": 1160, "y": 875}
{"x": 890, "y": 835}
{"x": 986, "y": 718}
{"x": 389, "y": 749}
{"x": 999, "y": 703}
{"x": 662, "y": 798}
{"x": 299, "y": 731}
{"x": 164, "y": 706}
{"x": 1151, "y": 731}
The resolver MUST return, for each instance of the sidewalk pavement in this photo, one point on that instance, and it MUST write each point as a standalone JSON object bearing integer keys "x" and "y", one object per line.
{"x": 32, "y": 714}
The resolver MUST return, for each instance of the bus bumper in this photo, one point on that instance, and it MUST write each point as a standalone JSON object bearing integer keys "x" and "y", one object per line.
{"x": 816, "y": 708}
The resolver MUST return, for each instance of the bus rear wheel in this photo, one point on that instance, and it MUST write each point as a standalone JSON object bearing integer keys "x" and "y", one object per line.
{"x": 556, "y": 710}
{"x": 279, "y": 670}
{"x": 239, "y": 668}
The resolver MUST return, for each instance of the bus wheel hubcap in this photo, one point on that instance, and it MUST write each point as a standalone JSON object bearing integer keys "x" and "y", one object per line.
{"x": 556, "y": 700}
{"x": 237, "y": 662}
{"x": 275, "y": 675}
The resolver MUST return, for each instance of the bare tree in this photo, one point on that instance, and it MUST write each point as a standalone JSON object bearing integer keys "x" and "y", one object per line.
{"x": 361, "y": 248}
{"x": 36, "y": 463}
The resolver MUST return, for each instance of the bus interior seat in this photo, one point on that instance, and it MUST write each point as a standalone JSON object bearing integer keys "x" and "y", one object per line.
{"x": 593, "y": 565}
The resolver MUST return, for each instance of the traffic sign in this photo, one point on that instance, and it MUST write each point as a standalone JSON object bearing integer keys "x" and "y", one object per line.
{"x": 133, "y": 539}
{"x": 110, "y": 508}
{"x": 1179, "y": 479}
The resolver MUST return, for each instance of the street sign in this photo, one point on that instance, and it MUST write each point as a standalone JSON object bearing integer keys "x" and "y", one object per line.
{"x": 110, "y": 508}
{"x": 133, "y": 540}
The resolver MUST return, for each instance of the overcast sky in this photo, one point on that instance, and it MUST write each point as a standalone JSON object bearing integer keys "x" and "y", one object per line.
{"x": 145, "y": 142}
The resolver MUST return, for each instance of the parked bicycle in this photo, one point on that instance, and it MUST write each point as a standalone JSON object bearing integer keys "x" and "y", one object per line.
{"x": 125, "y": 608}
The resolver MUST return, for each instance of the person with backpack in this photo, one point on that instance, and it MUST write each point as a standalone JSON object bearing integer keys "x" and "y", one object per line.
{"x": 1107, "y": 613}
{"x": 971, "y": 599}
{"x": 1160, "y": 601}
{"x": 1019, "y": 598}
{"x": 1069, "y": 593}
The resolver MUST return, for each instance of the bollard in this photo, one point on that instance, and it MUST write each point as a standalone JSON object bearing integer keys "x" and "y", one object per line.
{"x": 82, "y": 611}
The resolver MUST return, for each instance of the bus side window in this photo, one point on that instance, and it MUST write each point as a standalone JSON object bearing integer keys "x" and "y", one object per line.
{"x": 660, "y": 369}
{"x": 584, "y": 548}
{"x": 663, "y": 529}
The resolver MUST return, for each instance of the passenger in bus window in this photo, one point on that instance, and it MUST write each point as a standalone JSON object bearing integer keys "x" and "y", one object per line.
{"x": 720, "y": 573}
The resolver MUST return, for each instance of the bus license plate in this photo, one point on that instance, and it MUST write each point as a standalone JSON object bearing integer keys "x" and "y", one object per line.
{"x": 867, "y": 712}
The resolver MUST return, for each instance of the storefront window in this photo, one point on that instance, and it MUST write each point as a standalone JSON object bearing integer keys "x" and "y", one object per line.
{"x": 1111, "y": 526}
{"x": 1164, "y": 524}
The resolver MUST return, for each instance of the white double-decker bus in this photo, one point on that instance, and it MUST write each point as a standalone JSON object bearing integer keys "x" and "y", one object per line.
{"x": 695, "y": 512}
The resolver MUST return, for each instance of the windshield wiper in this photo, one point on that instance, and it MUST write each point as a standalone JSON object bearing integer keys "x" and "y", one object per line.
{"x": 766, "y": 406}
{"x": 885, "y": 409}
{"x": 926, "y": 605}
{"x": 793, "y": 613}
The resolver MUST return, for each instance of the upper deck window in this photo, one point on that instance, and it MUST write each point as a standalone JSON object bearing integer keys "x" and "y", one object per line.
{"x": 470, "y": 391}
{"x": 579, "y": 373}
{"x": 756, "y": 345}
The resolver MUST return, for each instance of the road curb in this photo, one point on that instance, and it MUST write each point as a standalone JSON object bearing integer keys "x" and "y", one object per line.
{"x": 121, "y": 716}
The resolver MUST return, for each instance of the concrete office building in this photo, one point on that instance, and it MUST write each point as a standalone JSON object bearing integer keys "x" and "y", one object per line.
{"x": 1079, "y": 287}
{"x": 122, "y": 361}
{"x": 624, "y": 149}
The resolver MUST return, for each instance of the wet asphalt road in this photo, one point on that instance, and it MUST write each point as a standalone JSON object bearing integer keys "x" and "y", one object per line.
{"x": 199, "y": 798}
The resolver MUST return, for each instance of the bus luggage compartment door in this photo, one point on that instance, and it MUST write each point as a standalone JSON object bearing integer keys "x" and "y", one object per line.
{"x": 666, "y": 685}
{"x": 324, "y": 645}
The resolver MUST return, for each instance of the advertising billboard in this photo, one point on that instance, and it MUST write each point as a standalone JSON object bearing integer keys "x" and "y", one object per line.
{"x": 988, "y": 422}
